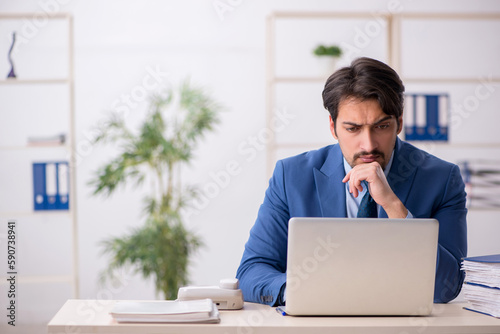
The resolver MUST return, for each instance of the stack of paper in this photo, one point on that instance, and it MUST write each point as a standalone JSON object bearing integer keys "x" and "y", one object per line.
{"x": 199, "y": 311}
{"x": 482, "y": 181}
{"x": 482, "y": 284}
{"x": 48, "y": 140}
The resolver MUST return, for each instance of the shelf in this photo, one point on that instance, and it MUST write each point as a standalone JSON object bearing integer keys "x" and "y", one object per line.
{"x": 454, "y": 145}
{"x": 483, "y": 209}
{"x": 30, "y": 147}
{"x": 17, "y": 214}
{"x": 38, "y": 279}
{"x": 393, "y": 58}
{"x": 450, "y": 16}
{"x": 64, "y": 78}
{"x": 298, "y": 79}
{"x": 405, "y": 80}
{"x": 413, "y": 142}
{"x": 303, "y": 145}
{"x": 34, "y": 81}
{"x": 18, "y": 16}
{"x": 449, "y": 80}
{"x": 415, "y": 15}
{"x": 325, "y": 15}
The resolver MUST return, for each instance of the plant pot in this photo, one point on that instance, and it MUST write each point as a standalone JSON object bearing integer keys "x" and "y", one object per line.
{"x": 327, "y": 65}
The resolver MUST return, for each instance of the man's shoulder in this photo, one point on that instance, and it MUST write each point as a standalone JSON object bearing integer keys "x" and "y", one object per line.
{"x": 413, "y": 156}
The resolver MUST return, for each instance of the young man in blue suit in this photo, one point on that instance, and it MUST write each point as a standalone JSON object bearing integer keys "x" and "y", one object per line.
{"x": 365, "y": 102}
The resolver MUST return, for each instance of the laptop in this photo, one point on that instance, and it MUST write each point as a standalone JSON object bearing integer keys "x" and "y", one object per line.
{"x": 361, "y": 266}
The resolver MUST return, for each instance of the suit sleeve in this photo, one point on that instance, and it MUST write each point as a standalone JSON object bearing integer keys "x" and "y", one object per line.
{"x": 452, "y": 244}
{"x": 262, "y": 271}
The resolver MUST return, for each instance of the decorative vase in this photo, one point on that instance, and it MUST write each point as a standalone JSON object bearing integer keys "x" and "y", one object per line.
{"x": 327, "y": 65}
{"x": 12, "y": 73}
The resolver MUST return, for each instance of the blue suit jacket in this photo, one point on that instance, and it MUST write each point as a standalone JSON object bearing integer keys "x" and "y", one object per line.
{"x": 310, "y": 185}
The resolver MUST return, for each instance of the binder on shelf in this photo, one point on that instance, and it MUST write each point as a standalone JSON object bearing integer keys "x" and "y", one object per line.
{"x": 51, "y": 186}
{"x": 426, "y": 117}
{"x": 40, "y": 196}
{"x": 63, "y": 186}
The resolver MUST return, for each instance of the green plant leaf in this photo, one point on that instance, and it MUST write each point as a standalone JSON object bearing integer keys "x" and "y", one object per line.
{"x": 332, "y": 51}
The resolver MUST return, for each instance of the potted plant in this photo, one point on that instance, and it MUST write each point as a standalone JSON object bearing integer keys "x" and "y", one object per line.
{"x": 328, "y": 56}
{"x": 175, "y": 123}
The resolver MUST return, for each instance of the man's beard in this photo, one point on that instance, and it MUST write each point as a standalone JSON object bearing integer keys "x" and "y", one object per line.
{"x": 379, "y": 154}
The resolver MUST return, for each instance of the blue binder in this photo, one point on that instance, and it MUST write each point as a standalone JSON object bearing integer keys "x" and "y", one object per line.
{"x": 51, "y": 186}
{"x": 493, "y": 258}
{"x": 426, "y": 117}
{"x": 39, "y": 195}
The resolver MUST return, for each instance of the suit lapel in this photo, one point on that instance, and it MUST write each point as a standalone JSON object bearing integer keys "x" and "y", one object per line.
{"x": 330, "y": 189}
{"x": 404, "y": 166}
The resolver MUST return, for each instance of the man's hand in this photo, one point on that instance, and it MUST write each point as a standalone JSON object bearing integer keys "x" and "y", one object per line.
{"x": 378, "y": 187}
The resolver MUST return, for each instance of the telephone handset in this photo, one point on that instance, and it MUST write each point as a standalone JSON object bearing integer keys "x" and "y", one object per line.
{"x": 227, "y": 296}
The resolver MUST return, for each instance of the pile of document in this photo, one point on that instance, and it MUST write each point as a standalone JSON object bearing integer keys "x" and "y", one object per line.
{"x": 482, "y": 180}
{"x": 166, "y": 311}
{"x": 482, "y": 284}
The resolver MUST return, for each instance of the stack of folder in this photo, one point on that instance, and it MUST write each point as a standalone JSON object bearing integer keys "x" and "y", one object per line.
{"x": 482, "y": 284}
{"x": 166, "y": 311}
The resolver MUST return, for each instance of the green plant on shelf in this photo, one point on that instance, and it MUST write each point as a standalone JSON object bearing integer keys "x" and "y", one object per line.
{"x": 332, "y": 51}
{"x": 160, "y": 248}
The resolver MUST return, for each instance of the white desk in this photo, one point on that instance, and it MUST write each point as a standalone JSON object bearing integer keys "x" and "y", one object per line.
{"x": 92, "y": 316}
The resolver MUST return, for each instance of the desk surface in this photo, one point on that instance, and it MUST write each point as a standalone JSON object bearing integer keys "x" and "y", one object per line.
{"x": 92, "y": 316}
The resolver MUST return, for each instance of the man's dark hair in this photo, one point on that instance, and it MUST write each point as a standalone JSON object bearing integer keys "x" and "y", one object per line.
{"x": 365, "y": 79}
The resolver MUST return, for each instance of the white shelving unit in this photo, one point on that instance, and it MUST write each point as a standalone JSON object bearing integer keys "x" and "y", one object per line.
{"x": 391, "y": 34}
{"x": 64, "y": 83}
{"x": 276, "y": 77}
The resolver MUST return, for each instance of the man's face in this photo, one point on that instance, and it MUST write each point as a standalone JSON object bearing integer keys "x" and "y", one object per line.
{"x": 365, "y": 133}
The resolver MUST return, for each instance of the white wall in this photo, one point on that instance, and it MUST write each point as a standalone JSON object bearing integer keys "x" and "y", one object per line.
{"x": 116, "y": 43}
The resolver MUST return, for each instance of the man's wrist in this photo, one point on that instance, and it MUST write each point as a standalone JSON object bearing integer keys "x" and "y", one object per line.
{"x": 396, "y": 209}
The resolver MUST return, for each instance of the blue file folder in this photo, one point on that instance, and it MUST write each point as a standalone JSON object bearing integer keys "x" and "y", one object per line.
{"x": 51, "y": 186}
{"x": 426, "y": 117}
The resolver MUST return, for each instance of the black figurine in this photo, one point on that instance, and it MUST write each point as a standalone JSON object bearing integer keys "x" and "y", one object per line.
{"x": 12, "y": 73}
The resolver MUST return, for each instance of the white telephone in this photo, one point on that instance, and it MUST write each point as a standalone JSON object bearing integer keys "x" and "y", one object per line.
{"x": 227, "y": 296}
